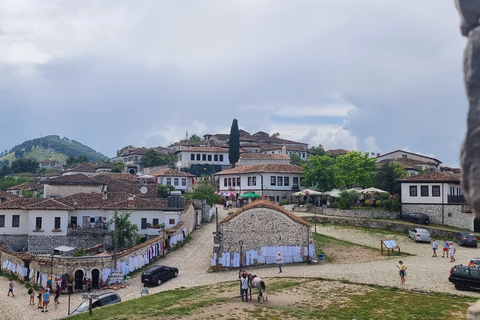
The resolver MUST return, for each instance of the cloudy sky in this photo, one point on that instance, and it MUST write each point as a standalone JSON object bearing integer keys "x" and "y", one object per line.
{"x": 365, "y": 75}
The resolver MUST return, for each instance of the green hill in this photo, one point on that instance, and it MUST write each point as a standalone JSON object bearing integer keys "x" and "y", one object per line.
{"x": 52, "y": 148}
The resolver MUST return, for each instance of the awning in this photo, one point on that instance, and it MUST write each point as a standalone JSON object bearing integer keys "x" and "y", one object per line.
{"x": 64, "y": 248}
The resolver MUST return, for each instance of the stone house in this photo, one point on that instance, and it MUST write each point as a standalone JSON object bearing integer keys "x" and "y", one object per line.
{"x": 86, "y": 169}
{"x": 255, "y": 234}
{"x": 49, "y": 164}
{"x": 33, "y": 187}
{"x": 440, "y": 196}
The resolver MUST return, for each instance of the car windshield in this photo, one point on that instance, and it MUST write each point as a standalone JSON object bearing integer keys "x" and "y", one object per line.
{"x": 149, "y": 272}
{"x": 422, "y": 231}
{"x": 83, "y": 306}
{"x": 469, "y": 235}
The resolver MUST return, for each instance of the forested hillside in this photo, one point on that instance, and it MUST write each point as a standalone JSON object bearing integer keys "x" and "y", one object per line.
{"x": 50, "y": 148}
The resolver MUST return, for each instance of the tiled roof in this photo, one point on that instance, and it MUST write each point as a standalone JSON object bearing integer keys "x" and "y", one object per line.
{"x": 405, "y": 162}
{"x": 415, "y": 154}
{"x": 73, "y": 179}
{"x": 433, "y": 176}
{"x": 204, "y": 149}
{"x": 7, "y": 195}
{"x": 19, "y": 203}
{"x": 85, "y": 167}
{"x": 26, "y": 186}
{"x": 278, "y": 147}
{"x": 170, "y": 173}
{"x": 139, "y": 204}
{"x": 271, "y": 156}
{"x": 48, "y": 204}
{"x": 454, "y": 170}
{"x": 55, "y": 173}
{"x": 336, "y": 151}
{"x": 270, "y": 167}
{"x": 109, "y": 176}
{"x": 133, "y": 151}
{"x": 280, "y": 141}
{"x": 265, "y": 204}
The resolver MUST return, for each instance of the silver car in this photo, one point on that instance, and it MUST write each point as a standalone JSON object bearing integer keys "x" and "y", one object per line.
{"x": 419, "y": 234}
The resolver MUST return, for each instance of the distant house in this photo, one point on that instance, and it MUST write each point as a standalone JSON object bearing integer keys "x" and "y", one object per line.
{"x": 340, "y": 152}
{"x": 4, "y": 196}
{"x": 424, "y": 162}
{"x": 275, "y": 181}
{"x": 70, "y": 184}
{"x": 439, "y": 195}
{"x": 211, "y": 156}
{"x": 262, "y": 158}
{"x": 86, "y": 169}
{"x": 301, "y": 152}
{"x": 49, "y": 164}
{"x": 132, "y": 158}
{"x": 33, "y": 187}
{"x": 180, "y": 180}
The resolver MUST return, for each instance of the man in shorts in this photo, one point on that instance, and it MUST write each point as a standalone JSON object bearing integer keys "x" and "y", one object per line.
{"x": 10, "y": 287}
{"x": 434, "y": 247}
{"x": 46, "y": 300}
{"x": 445, "y": 248}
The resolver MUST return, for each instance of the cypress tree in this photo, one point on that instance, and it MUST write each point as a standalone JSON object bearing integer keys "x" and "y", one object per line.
{"x": 234, "y": 144}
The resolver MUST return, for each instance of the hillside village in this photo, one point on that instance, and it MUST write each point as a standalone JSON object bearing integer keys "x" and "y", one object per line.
{"x": 61, "y": 211}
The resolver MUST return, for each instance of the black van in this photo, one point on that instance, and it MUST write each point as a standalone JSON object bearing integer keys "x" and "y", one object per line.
{"x": 420, "y": 218}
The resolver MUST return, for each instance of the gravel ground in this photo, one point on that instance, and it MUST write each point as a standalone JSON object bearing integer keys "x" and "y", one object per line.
{"x": 425, "y": 273}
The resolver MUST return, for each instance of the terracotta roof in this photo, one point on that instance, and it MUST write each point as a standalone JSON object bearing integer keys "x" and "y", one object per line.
{"x": 139, "y": 204}
{"x": 109, "y": 176}
{"x": 133, "y": 151}
{"x": 404, "y": 162}
{"x": 55, "y": 173}
{"x": 26, "y": 186}
{"x": 171, "y": 173}
{"x": 48, "y": 204}
{"x": 265, "y": 204}
{"x": 454, "y": 170}
{"x": 85, "y": 167}
{"x": 7, "y": 195}
{"x": 279, "y": 147}
{"x": 203, "y": 149}
{"x": 265, "y": 167}
{"x": 416, "y": 154}
{"x": 433, "y": 176}
{"x": 19, "y": 203}
{"x": 73, "y": 179}
{"x": 271, "y": 156}
{"x": 336, "y": 151}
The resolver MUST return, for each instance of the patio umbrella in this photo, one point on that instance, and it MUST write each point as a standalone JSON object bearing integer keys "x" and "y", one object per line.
{"x": 334, "y": 193}
{"x": 307, "y": 192}
{"x": 250, "y": 195}
{"x": 228, "y": 194}
{"x": 372, "y": 190}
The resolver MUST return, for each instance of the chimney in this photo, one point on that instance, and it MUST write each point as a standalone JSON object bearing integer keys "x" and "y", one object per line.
{"x": 131, "y": 201}
{"x": 105, "y": 197}
{"x": 378, "y": 155}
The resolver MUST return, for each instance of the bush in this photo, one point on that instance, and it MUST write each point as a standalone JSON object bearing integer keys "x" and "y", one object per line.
{"x": 369, "y": 202}
{"x": 396, "y": 205}
{"x": 378, "y": 203}
{"x": 284, "y": 202}
{"x": 384, "y": 196}
{"x": 343, "y": 204}
{"x": 387, "y": 204}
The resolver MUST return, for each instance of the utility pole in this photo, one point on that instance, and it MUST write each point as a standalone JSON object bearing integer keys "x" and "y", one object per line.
{"x": 115, "y": 241}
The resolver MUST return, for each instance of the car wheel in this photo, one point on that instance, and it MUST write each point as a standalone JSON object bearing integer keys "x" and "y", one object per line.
{"x": 459, "y": 285}
{"x": 159, "y": 282}
{"x": 176, "y": 274}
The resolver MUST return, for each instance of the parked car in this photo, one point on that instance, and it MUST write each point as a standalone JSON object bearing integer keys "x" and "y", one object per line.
{"x": 103, "y": 299}
{"x": 158, "y": 274}
{"x": 475, "y": 262}
{"x": 464, "y": 277}
{"x": 419, "y": 234}
{"x": 420, "y": 218}
{"x": 465, "y": 239}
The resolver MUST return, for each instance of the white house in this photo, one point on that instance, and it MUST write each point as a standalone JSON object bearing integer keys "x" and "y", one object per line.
{"x": 439, "y": 195}
{"x": 180, "y": 180}
{"x": 202, "y": 156}
{"x": 424, "y": 161}
{"x": 275, "y": 181}
{"x": 285, "y": 150}
{"x": 49, "y": 164}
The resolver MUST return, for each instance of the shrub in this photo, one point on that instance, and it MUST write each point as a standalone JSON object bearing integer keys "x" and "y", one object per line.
{"x": 284, "y": 202}
{"x": 378, "y": 203}
{"x": 343, "y": 203}
{"x": 396, "y": 205}
{"x": 369, "y": 202}
{"x": 384, "y": 196}
{"x": 387, "y": 204}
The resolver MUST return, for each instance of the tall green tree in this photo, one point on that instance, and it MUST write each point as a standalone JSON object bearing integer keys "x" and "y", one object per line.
{"x": 354, "y": 169}
{"x": 204, "y": 189}
{"x": 117, "y": 167}
{"x": 24, "y": 165}
{"x": 151, "y": 159}
{"x": 234, "y": 144}
{"x": 386, "y": 175}
{"x": 125, "y": 229}
{"x": 296, "y": 160}
{"x": 317, "y": 151}
{"x": 163, "y": 190}
{"x": 319, "y": 172}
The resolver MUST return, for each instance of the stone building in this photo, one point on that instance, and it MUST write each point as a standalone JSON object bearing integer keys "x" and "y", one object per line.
{"x": 256, "y": 233}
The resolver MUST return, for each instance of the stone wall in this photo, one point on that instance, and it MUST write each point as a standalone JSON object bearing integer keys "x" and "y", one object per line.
{"x": 204, "y": 208}
{"x": 76, "y": 237}
{"x": 377, "y": 214}
{"x": 66, "y": 190}
{"x": 45, "y": 243}
{"x": 16, "y": 242}
{"x": 453, "y": 215}
{"x": 189, "y": 217}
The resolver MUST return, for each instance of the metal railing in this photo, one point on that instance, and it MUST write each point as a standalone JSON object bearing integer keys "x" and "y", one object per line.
{"x": 456, "y": 199}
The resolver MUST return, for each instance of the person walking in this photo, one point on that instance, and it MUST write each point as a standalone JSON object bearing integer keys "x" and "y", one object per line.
{"x": 445, "y": 248}
{"x": 31, "y": 293}
{"x": 452, "y": 250}
{"x": 244, "y": 281}
{"x": 57, "y": 295}
{"x": 11, "y": 284}
{"x": 434, "y": 248}
{"x": 144, "y": 291}
{"x": 46, "y": 300}
{"x": 279, "y": 261}
{"x": 402, "y": 271}
{"x": 40, "y": 298}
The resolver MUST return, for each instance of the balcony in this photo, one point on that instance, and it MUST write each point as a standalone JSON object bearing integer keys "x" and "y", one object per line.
{"x": 296, "y": 188}
{"x": 456, "y": 199}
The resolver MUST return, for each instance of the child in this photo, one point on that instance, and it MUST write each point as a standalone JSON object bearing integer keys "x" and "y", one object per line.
{"x": 31, "y": 293}
{"x": 10, "y": 287}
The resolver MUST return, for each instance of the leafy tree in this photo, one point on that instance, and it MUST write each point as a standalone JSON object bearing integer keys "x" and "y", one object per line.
{"x": 319, "y": 172}
{"x": 234, "y": 144}
{"x": 317, "y": 151}
{"x": 151, "y": 159}
{"x": 24, "y": 165}
{"x": 354, "y": 169}
{"x": 275, "y": 135}
{"x": 163, "y": 190}
{"x": 386, "y": 175}
{"x": 119, "y": 152}
{"x": 193, "y": 138}
{"x": 117, "y": 167}
{"x": 125, "y": 229}
{"x": 296, "y": 160}
{"x": 19, "y": 154}
{"x": 204, "y": 189}
{"x": 8, "y": 182}
{"x": 72, "y": 162}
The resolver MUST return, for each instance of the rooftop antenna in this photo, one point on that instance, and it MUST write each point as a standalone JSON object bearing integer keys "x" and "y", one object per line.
{"x": 186, "y": 134}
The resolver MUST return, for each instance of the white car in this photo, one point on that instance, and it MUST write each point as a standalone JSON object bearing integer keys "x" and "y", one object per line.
{"x": 419, "y": 234}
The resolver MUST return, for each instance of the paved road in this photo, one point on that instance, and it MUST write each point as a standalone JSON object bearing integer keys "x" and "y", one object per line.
{"x": 424, "y": 272}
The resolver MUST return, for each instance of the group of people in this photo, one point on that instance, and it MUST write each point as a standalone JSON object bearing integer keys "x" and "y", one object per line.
{"x": 43, "y": 295}
{"x": 448, "y": 249}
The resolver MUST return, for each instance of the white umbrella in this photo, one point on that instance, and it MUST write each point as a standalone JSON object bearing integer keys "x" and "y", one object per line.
{"x": 306, "y": 192}
{"x": 372, "y": 190}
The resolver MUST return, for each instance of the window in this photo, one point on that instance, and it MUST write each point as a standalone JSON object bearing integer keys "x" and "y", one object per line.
{"x": 249, "y": 181}
{"x": 209, "y": 157}
{"x": 254, "y": 181}
{"x": 273, "y": 181}
{"x": 295, "y": 181}
{"x": 413, "y": 191}
{"x": 204, "y": 157}
{"x": 424, "y": 191}
{"x": 155, "y": 221}
{"x": 224, "y": 182}
{"x": 301, "y": 180}
{"x": 169, "y": 180}
{"x": 192, "y": 156}
{"x": 143, "y": 224}
{"x": 215, "y": 157}
{"x": 198, "y": 156}
{"x": 435, "y": 191}
{"x": 229, "y": 182}
{"x": 73, "y": 222}
{"x": 303, "y": 154}
{"x": 15, "y": 221}
{"x": 171, "y": 221}
{"x": 38, "y": 223}
{"x": 238, "y": 181}
{"x": 221, "y": 157}
{"x": 2, "y": 221}
{"x": 404, "y": 155}
{"x": 57, "y": 222}
{"x": 233, "y": 182}
{"x": 184, "y": 182}
{"x": 175, "y": 181}
{"x": 279, "y": 181}
{"x": 286, "y": 181}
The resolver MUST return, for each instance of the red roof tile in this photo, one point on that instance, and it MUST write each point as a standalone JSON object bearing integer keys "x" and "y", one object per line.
{"x": 170, "y": 173}
{"x": 262, "y": 156}
{"x": 434, "y": 176}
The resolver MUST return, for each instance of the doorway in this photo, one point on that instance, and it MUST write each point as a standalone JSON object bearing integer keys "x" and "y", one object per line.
{"x": 95, "y": 278}
{"x": 79, "y": 280}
